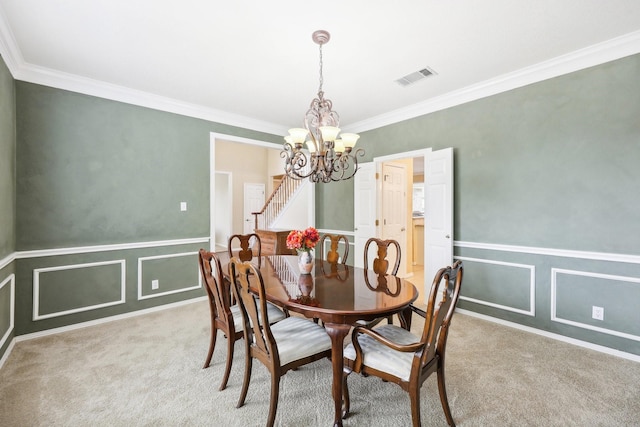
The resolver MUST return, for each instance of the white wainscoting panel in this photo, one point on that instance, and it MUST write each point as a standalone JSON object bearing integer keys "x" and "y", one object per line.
{"x": 11, "y": 281}
{"x": 554, "y": 284}
{"x": 174, "y": 291}
{"x": 36, "y": 288}
{"x": 532, "y": 286}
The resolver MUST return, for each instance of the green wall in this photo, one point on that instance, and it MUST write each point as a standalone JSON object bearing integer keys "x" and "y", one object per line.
{"x": 7, "y": 204}
{"x": 7, "y": 162}
{"x": 552, "y": 165}
{"x": 93, "y": 171}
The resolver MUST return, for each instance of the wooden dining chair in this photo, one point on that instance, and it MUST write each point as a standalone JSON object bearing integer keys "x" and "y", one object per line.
{"x": 380, "y": 264}
{"x": 225, "y": 316}
{"x": 280, "y": 347}
{"x": 333, "y": 255}
{"x": 396, "y": 355}
{"x": 250, "y": 247}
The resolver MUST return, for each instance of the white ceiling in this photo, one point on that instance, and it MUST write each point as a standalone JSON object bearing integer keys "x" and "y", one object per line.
{"x": 252, "y": 63}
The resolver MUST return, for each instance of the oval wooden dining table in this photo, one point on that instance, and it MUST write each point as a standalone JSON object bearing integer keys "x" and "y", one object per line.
{"x": 339, "y": 295}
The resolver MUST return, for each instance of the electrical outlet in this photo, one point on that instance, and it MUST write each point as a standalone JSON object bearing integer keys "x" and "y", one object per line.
{"x": 183, "y": 206}
{"x": 597, "y": 312}
{"x": 155, "y": 284}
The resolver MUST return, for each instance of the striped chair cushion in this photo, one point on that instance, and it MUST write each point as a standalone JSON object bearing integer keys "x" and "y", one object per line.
{"x": 274, "y": 313}
{"x": 379, "y": 356}
{"x": 298, "y": 338}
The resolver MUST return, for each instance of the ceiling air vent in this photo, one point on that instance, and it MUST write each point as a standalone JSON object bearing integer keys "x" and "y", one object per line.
{"x": 416, "y": 76}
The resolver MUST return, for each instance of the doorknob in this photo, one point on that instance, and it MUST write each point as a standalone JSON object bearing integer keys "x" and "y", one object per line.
{"x": 447, "y": 236}
{"x": 402, "y": 229}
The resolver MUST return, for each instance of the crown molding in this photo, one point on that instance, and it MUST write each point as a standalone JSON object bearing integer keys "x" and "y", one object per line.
{"x": 48, "y": 77}
{"x": 601, "y": 53}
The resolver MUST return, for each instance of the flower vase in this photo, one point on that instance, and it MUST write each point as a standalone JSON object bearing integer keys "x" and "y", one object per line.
{"x": 305, "y": 261}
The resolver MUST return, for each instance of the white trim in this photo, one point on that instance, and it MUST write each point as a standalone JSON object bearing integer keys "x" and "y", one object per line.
{"x": 7, "y": 260}
{"x": 175, "y": 291}
{"x": 6, "y": 354}
{"x": 36, "y": 288}
{"x": 105, "y": 248}
{"x": 555, "y": 318}
{"x": 598, "y": 256}
{"x": 597, "y": 54}
{"x": 11, "y": 279}
{"x": 423, "y": 152}
{"x": 100, "y": 321}
{"x": 557, "y": 337}
{"x": 532, "y": 286}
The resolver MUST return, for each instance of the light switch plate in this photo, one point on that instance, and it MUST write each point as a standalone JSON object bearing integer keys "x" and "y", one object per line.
{"x": 183, "y": 206}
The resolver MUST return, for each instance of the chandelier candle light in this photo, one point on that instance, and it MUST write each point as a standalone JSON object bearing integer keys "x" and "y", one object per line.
{"x": 326, "y": 157}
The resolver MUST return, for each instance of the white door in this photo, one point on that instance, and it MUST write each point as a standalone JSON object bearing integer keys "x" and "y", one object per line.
{"x": 438, "y": 221}
{"x": 364, "y": 209}
{"x": 253, "y": 202}
{"x": 394, "y": 208}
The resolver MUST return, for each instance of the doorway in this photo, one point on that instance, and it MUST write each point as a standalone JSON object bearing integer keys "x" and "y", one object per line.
{"x": 437, "y": 188}
{"x": 219, "y": 195}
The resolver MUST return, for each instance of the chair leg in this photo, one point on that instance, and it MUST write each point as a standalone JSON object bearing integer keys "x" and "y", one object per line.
{"x": 414, "y": 396}
{"x": 443, "y": 394}
{"x": 227, "y": 370}
{"x": 212, "y": 345}
{"x": 248, "y": 364}
{"x": 346, "y": 402}
{"x": 273, "y": 404}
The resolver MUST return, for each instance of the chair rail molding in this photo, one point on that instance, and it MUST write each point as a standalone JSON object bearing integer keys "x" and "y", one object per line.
{"x": 38, "y": 253}
{"x": 599, "y": 256}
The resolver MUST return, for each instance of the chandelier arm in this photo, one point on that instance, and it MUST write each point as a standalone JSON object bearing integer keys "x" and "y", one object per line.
{"x": 345, "y": 163}
{"x": 296, "y": 162}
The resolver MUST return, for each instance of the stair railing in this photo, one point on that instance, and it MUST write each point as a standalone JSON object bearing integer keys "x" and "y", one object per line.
{"x": 276, "y": 202}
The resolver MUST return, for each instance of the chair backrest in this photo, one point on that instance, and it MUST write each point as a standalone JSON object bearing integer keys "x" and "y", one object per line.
{"x": 218, "y": 289}
{"x": 250, "y": 246}
{"x": 257, "y": 331}
{"x": 443, "y": 297}
{"x": 333, "y": 255}
{"x": 380, "y": 264}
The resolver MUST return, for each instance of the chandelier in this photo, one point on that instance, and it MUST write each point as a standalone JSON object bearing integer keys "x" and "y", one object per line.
{"x": 323, "y": 157}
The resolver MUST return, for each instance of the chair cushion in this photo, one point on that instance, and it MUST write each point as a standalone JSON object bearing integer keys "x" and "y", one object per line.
{"x": 274, "y": 313}
{"x": 382, "y": 358}
{"x": 298, "y": 338}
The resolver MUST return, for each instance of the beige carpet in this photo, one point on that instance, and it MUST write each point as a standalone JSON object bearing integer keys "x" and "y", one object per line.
{"x": 146, "y": 371}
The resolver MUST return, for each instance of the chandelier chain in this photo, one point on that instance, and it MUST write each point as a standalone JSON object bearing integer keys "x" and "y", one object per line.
{"x": 321, "y": 78}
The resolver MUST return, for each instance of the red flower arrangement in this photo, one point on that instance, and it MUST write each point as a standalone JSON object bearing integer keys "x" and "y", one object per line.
{"x": 303, "y": 240}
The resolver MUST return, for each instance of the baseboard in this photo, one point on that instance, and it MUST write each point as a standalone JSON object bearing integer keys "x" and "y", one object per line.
{"x": 73, "y": 327}
{"x": 558, "y": 337}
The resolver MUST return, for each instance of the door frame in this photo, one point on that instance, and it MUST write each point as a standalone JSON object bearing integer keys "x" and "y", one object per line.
{"x": 228, "y": 196}
{"x": 213, "y": 137}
